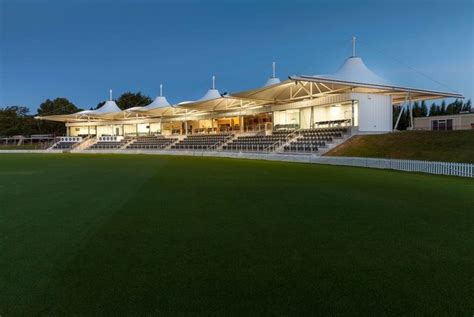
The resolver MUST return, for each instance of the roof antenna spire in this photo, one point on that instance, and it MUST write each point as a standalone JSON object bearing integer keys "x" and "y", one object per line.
{"x": 273, "y": 70}
{"x": 110, "y": 94}
{"x": 353, "y": 46}
{"x": 161, "y": 90}
{"x": 213, "y": 82}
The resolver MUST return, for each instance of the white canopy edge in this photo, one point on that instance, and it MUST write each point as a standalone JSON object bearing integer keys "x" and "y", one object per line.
{"x": 376, "y": 86}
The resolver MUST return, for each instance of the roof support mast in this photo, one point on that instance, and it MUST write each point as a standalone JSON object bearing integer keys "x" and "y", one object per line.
{"x": 402, "y": 108}
{"x": 353, "y": 46}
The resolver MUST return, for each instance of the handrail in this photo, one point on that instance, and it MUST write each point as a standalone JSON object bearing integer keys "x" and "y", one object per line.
{"x": 213, "y": 146}
{"x": 277, "y": 142}
{"x": 81, "y": 142}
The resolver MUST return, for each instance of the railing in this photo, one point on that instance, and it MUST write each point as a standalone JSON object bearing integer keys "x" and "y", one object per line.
{"x": 78, "y": 144}
{"x": 251, "y": 148}
{"x": 289, "y": 137}
{"x": 440, "y": 168}
{"x": 70, "y": 139}
{"x": 215, "y": 145}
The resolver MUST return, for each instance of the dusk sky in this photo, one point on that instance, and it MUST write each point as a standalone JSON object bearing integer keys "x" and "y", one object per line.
{"x": 81, "y": 49}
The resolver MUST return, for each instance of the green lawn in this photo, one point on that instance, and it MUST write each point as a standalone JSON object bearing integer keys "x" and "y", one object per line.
{"x": 447, "y": 146}
{"x": 162, "y": 235}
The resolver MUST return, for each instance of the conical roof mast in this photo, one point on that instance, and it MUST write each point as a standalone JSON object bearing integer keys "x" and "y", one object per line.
{"x": 159, "y": 102}
{"x": 353, "y": 46}
{"x": 354, "y": 70}
{"x": 107, "y": 107}
{"x": 272, "y": 80}
{"x": 212, "y": 93}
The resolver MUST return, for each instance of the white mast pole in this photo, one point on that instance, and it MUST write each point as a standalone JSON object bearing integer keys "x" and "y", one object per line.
{"x": 110, "y": 94}
{"x": 353, "y": 46}
{"x": 161, "y": 90}
{"x": 273, "y": 70}
{"x": 213, "y": 82}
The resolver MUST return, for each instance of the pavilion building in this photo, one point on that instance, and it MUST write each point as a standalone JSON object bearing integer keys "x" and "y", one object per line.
{"x": 353, "y": 97}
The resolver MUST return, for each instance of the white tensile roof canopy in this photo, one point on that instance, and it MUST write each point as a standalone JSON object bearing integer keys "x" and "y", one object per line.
{"x": 158, "y": 107}
{"x": 108, "y": 108}
{"x": 214, "y": 101}
{"x": 352, "y": 76}
{"x": 355, "y": 70}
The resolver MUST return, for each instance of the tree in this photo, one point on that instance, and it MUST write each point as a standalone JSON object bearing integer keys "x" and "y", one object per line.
{"x": 404, "y": 119}
{"x": 432, "y": 110}
{"x": 55, "y": 107}
{"x": 467, "y": 106}
{"x": 454, "y": 107}
{"x": 424, "y": 109}
{"x": 129, "y": 100}
{"x": 416, "y": 109}
{"x": 15, "y": 120}
{"x": 442, "y": 110}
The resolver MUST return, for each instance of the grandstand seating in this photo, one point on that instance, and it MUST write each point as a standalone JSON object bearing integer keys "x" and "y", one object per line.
{"x": 107, "y": 143}
{"x": 310, "y": 140}
{"x": 289, "y": 140}
{"x": 259, "y": 142}
{"x": 66, "y": 143}
{"x": 151, "y": 142}
{"x": 202, "y": 141}
{"x": 62, "y": 145}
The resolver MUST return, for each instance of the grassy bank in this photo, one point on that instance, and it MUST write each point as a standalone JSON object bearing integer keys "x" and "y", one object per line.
{"x": 448, "y": 146}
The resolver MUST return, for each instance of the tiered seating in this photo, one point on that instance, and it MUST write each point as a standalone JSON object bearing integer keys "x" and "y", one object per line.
{"x": 66, "y": 143}
{"x": 309, "y": 140}
{"x": 151, "y": 142}
{"x": 107, "y": 143}
{"x": 259, "y": 142}
{"x": 63, "y": 145}
{"x": 202, "y": 142}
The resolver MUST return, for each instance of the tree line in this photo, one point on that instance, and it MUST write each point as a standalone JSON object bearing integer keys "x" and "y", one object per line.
{"x": 17, "y": 120}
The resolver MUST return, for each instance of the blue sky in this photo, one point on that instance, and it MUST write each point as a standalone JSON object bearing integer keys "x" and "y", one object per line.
{"x": 80, "y": 49}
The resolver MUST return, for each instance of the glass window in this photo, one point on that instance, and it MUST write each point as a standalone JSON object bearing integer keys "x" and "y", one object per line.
{"x": 449, "y": 124}
{"x": 442, "y": 125}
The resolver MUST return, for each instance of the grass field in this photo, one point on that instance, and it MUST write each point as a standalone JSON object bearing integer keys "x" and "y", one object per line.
{"x": 138, "y": 235}
{"x": 447, "y": 146}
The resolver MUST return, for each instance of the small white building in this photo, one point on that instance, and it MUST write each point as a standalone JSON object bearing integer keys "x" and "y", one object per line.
{"x": 461, "y": 121}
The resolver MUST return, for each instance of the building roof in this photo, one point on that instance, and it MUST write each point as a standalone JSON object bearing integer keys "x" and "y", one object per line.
{"x": 354, "y": 70}
{"x": 103, "y": 112}
{"x": 352, "y": 77}
{"x": 273, "y": 80}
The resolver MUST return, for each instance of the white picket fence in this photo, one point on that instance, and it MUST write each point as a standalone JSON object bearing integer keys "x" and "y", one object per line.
{"x": 441, "y": 168}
